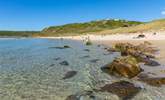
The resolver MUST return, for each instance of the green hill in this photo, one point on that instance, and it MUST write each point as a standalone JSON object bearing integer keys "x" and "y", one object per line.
{"x": 155, "y": 25}
{"x": 18, "y": 33}
{"x": 94, "y": 27}
{"x": 82, "y": 28}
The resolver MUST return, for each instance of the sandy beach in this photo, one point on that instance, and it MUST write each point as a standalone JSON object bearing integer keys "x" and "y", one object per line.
{"x": 116, "y": 37}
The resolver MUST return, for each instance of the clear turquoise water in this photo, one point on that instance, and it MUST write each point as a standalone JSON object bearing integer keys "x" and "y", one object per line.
{"x": 27, "y": 73}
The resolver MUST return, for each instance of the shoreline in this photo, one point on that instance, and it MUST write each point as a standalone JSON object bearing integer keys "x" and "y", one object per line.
{"x": 114, "y": 37}
{"x": 157, "y": 40}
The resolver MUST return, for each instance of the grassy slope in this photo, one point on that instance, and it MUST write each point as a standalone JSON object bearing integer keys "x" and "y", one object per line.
{"x": 82, "y": 28}
{"x": 156, "y": 25}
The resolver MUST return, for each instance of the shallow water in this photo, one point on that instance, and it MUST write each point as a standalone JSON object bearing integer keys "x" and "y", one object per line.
{"x": 30, "y": 69}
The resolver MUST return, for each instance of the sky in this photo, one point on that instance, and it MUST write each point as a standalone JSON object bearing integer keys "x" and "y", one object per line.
{"x": 35, "y": 15}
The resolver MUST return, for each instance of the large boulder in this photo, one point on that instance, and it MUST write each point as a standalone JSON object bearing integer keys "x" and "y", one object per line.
{"x": 125, "y": 90}
{"x": 124, "y": 66}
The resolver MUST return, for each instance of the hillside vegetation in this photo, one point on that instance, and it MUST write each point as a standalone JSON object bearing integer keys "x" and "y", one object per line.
{"x": 88, "y": 27}
{"x": 156, "y": 25}
{"x": 18, "y": 33}
{"x": 94, "y": 27}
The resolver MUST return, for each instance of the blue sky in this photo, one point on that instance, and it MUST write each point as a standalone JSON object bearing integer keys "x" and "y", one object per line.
{"x": 38, "y": 14}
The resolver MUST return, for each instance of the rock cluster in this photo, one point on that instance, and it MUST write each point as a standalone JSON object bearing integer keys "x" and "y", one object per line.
{"x": 143, "y": 52}
{"x": 128, "y": 66}
{"x": 124, "y": 66}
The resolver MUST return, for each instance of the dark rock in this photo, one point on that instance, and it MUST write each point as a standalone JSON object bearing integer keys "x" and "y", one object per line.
{"x": 65, "y": 63}
{"x": 52, "y": 65}
{"x": 78, "y": 96}
{"x": 94, "y": 60}
{"x": 88, "y": 43}
{"x": 111, "y": 50}
{"x": 98, "y": 45}
{"x": 125, "y": 25}
{"x": 124, "y": 66}
{"x": 85, "y": 56}
{"x": 151, "y": 63}
{"x": 125, "y": 90}
{"x": 105, "y": 48}
{"x": 69, "y": 74}
{"x": 149, "y": 56}
{"x": 64, "y": 47}
{"x": 143, "y": 75}
{"x": 154, "y": 33}
{"x": 87, "y": 50}
{"x": 158, "y": 82}
{"x": 58, "y": 58}
{"x": 107, "y": 53}
{"x": 141, "y": 36}
{"x": 152, "y": 73}
{"x": 72, "y": 97}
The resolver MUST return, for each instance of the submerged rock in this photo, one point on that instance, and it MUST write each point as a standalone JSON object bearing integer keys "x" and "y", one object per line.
{"x": 65, "y": 63}
{"x": 124, "y": 66}
{"x": 72, "y": 97}
{"x": 52, "y": 65}
{"x": 111, "y": 50}
{"x": 58, "y": 58}
{"x": 69, "y": 74}
{"x": 88, "y": 43}
{"x": 107, "y": 53}
{"x": 94, "y": 60}
{"x": 154, "y": 81}
{"x": 87, "y": 56}
{"x": 64, "y": 47}
{"x": 143, "y": 75}
{"x": 87, "y": 50}
{"x": 98, "y": 45}
{"x": 151, "y": 63}
{"x": 81, "y": 96}
{"x": 125, "y": 90}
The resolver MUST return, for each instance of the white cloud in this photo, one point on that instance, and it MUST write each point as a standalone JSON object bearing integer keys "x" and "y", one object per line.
{"x": 163, "y": 12}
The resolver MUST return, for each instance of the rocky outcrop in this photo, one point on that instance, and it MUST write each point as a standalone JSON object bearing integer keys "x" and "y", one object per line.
{"x": 124, "y": 66}
{"x": 143, "y": 52}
